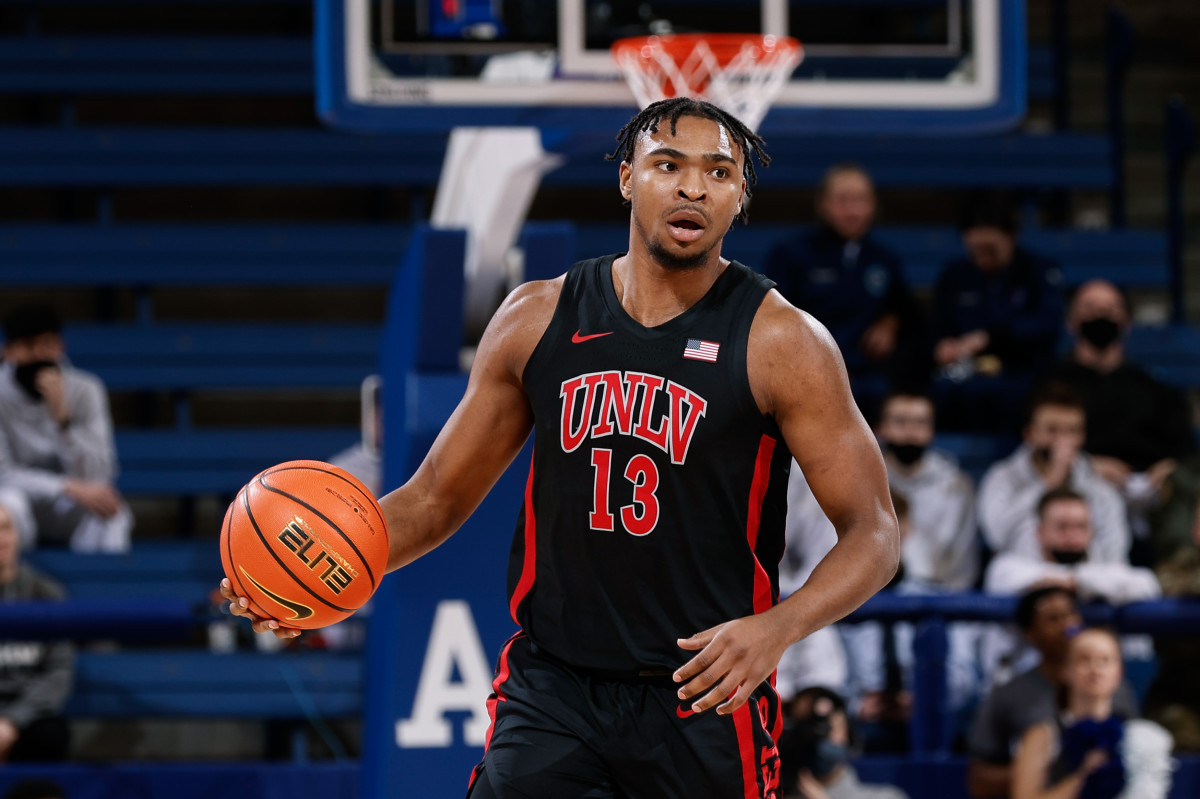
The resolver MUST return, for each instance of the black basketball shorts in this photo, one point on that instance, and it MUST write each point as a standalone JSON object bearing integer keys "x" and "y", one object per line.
{"x": 559, "y": 733}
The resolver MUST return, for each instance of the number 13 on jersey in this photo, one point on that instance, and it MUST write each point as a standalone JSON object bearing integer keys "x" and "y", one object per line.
{"x": 640, "y": 516}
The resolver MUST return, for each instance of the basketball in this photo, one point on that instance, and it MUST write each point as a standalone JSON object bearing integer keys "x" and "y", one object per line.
{"x": 306, "y": 543}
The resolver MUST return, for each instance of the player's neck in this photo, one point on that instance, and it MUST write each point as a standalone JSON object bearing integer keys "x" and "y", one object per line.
{"x": 653, "y": 294}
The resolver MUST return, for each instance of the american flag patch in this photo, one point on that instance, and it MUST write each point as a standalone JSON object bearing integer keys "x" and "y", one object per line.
{"x": 698, "y": 350}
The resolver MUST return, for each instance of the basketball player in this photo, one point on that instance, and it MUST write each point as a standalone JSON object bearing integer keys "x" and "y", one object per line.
{"x": 670, "y": 389}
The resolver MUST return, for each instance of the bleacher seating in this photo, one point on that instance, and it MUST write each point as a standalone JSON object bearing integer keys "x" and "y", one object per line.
{"x": 289, "y": 157}
{"x": 197, "y": 684}
{"x": 172, "y": 462}
{"x": 367, "y": 255}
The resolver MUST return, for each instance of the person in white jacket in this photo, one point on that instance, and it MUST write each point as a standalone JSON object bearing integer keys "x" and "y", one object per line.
{"x": 1051, "y": 457}
{"x": 1065, "y": 538}
{"x": 1065, "y": 541}
{"x": 942, "y": 551}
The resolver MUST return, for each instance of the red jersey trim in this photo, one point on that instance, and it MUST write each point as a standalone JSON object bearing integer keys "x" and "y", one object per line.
{"x": 498, "y": 695}
{"x": 743, "y": 725}
{"x": 758, "y": 492}
{"x": 529, "y": 565}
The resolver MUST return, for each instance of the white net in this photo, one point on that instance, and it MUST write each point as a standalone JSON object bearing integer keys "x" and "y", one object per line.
{"x": 741, "y": 74}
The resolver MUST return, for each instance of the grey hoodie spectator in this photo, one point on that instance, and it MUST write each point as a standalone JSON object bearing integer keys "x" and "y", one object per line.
{"x": 56, "y": 439}
{"x": 943, "y": 549}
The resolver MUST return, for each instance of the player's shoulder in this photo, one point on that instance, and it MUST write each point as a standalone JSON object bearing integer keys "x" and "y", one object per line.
{"x": 780, "y": 326}
{"x": 522, "y": 319}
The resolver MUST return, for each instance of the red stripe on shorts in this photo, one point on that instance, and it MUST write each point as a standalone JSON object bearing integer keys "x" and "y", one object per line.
{"x": 743, "y": 724}
{"x": 529, "y": 566}
{"x": 758, "y": 492}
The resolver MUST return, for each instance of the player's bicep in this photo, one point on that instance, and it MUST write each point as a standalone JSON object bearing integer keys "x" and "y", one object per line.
{"x": 803, "y": 384}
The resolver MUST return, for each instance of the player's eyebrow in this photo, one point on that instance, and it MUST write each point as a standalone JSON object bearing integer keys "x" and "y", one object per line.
{"x": 671, "y": 152}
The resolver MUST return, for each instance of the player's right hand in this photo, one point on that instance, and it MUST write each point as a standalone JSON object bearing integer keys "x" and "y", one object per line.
{"x": 240, "y": 606}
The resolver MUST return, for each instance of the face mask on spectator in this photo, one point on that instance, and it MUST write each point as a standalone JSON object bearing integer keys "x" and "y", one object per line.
{"x": 907, "y": 454}
{"x": 26, "y": 377}
{"x": 827, "y": 757}
{"x": 1100, "y": 332}
{"x": 1068, "y": 557}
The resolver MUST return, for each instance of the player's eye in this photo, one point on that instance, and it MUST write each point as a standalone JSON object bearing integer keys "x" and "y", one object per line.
{"x": 720, "y": 173}
{"x": 666, "y": 166}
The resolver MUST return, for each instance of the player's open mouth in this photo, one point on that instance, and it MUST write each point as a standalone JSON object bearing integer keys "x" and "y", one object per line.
{"x": 687, "y": 226}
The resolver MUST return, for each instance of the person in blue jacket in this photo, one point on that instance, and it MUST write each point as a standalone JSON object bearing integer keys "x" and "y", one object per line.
{"x": 997, "y": 316}
{"x": 854, "y": 285}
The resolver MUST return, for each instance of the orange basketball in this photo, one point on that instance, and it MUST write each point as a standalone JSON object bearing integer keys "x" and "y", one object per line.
{"x": 306, "y": 543}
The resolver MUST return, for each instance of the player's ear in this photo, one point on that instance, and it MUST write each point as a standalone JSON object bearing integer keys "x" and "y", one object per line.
{"x": 625, "y": 178}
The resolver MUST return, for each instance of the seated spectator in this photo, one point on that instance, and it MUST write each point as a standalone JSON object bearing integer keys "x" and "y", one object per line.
{"x": 35, "y": 676}
{"x": 880, "y": 661}
{"x": 854, "y": 285}
{"x": 1065, "y": 540}
{"x": 942, "y": 550}
{"x": 1137, "y": 427}
{"x": 1051, "y": 457}
{"x": 1047, "y": 617}
{"x": 56, "y": 439}
{"x": 1064, "y": 536}
{"x": 1090, "y": 751}
{"x": 819, "y": 659}
{"x": 1173, "y": 699}
{"x": 815, "y": 751}
{"x": 997, "y": 314}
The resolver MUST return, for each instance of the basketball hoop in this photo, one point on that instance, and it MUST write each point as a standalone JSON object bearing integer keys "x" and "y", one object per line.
{"x": 740, "y": 72}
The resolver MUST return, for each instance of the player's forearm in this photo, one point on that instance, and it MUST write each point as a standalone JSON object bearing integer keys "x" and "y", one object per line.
{"x": 417, "y": 523}
{"x": 863, "y": 561}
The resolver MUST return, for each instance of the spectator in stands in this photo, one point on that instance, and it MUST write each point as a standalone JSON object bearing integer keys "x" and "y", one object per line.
{"x": 1137, "y": 427}
{"x": 942, "y": 550}
{"x": 854, "y": 285}
{"x": 997, "y": 314}
{"x": 35, "y": 676}
{"x": 1173, "y": 699}
{"x": 1065, "y": 539}
{"x": 1090, "y": 751}
{"x": 1051, "y": 457}
{"x": 819, "y": 659}
{"x": 56, "y": 439}
{"x": 880, "y": 660}
{"x": 815, "y": 751}
{"x": 1047, "y": 617}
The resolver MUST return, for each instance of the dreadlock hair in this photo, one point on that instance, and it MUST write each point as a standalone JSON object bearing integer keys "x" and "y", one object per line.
{"x": 672, "y": 109}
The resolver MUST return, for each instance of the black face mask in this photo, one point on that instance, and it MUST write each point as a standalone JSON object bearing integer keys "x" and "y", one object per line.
{"x": 1100, "y": 332}
{"x": 907, "y": 454}
{"x": 1068, "y": 557}
{"x": 26, "y": 377}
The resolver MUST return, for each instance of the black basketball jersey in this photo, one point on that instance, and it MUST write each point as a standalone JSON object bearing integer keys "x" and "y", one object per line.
{"x": 655, "y": 503}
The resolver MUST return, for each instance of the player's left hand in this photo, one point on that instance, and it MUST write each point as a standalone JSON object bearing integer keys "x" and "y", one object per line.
{"x": 733, "y": 659}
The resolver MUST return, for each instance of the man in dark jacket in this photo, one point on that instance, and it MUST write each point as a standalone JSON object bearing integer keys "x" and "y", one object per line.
{"x": 997, "y": 313}
{"x": 853, "y": 285}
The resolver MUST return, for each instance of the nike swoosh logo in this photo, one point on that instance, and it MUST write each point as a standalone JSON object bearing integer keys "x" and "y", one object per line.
{"x": 683, "y": 714}
{"x": 298, "y": 610}
{"x": 579, "y": 338}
